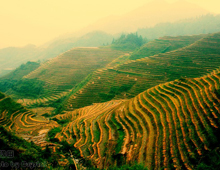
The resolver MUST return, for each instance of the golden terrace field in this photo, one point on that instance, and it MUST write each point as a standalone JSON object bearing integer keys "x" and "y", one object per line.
{"x": 168, "y": 126}
{"x": 14, "y": 117}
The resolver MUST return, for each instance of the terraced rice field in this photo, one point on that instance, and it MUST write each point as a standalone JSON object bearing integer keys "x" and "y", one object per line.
{"x": 169, "y": 126}
{"x": 138, "y": 75}
{"x": 164, "y": 44}
{"x": 18, "y": 119}
{"x": 41, "y": 101}
{"x": 69, "y": 68}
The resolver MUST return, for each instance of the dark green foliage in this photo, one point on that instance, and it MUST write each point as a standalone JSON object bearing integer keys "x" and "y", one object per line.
{"x": 11, "y": 106}
{"x": 217, "y": 92}
{"x": 67, "y": 148}
{"x": 28, "y": 152}
{"x": 119, "y": 135}
{"x": 135, "y": 166}
{"x": 129, "y": 167}
{"x": 21, "y": 71}
{"x": 106, "y": 97}
{"x": 58, "y": 104}
{"x": 2, "y": 95}
{"x": 46, "y": 154}
{"x": 46, "y": 115}
{"x": 119, "y": 158}
{"x": 52, "y": 133}
{"x": 118, "y": 90}
{"x": 11, "y": 80}
{"x": 71, "y": 165}
{"x": 115, "y": 91}
{"x": 210, "y": 161}
{"x": 97, "y": 132}
{"x": 29, "y": 87}
{"x": 23, "y": 150}
{"x": 128, "y": 42}
{"x": 7, "y": 84}
{"x": 62, "y": 121}
{"x": 93, "y": 168}
{"x": 25, "y": 87}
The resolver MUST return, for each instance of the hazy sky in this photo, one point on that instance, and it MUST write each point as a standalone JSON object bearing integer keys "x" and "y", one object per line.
{"x": 38, "y": 21}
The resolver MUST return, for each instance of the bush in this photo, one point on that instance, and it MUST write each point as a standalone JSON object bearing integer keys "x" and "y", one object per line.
{"x": 52, "y": 133}
{"x": 129, "y": 167}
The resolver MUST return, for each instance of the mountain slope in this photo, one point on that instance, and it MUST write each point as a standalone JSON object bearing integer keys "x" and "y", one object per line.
{"x": 21, "y": 71}
{"x": 15, "y": 117}
{"x": 169, "y": 126}
{"x": 55, "y": 78}
{"x": 163, "y": 45}
{"x": 12, "y": 57}
{"x": 133, "y": 77}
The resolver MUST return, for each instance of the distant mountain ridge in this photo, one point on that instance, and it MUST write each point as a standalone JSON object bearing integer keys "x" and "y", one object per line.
{"x": 148, "y": 15}
{"x": 145, "y": 16}
{"x": 13, "y": 57}
{"x": 196, "y": 25}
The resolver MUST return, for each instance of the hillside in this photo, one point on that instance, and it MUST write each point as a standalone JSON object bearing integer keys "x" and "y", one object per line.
{"x": 134, "y": 76}
{"x": 171, "y": 126}
{"x": 21, "y": 71}
{"x": 21, "y": 150}
{"x": 14, "y": 78}
{"x": 13, "y": 57}
{"x": 54, "y": 79}
{"x": 15, "y": 117}
{"x": 93, "y": 75}
{"x": 156, "y": 106}
{"x": 163, "y": 45}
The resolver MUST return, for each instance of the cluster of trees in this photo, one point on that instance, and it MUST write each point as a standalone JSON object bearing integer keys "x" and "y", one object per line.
{"x": 128, "y": 42}
{"x": 25, "y": 87}
{"x": 135, "y": 166}
{"x": 115, "y": 91}
{"x": 14, "y": 82}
